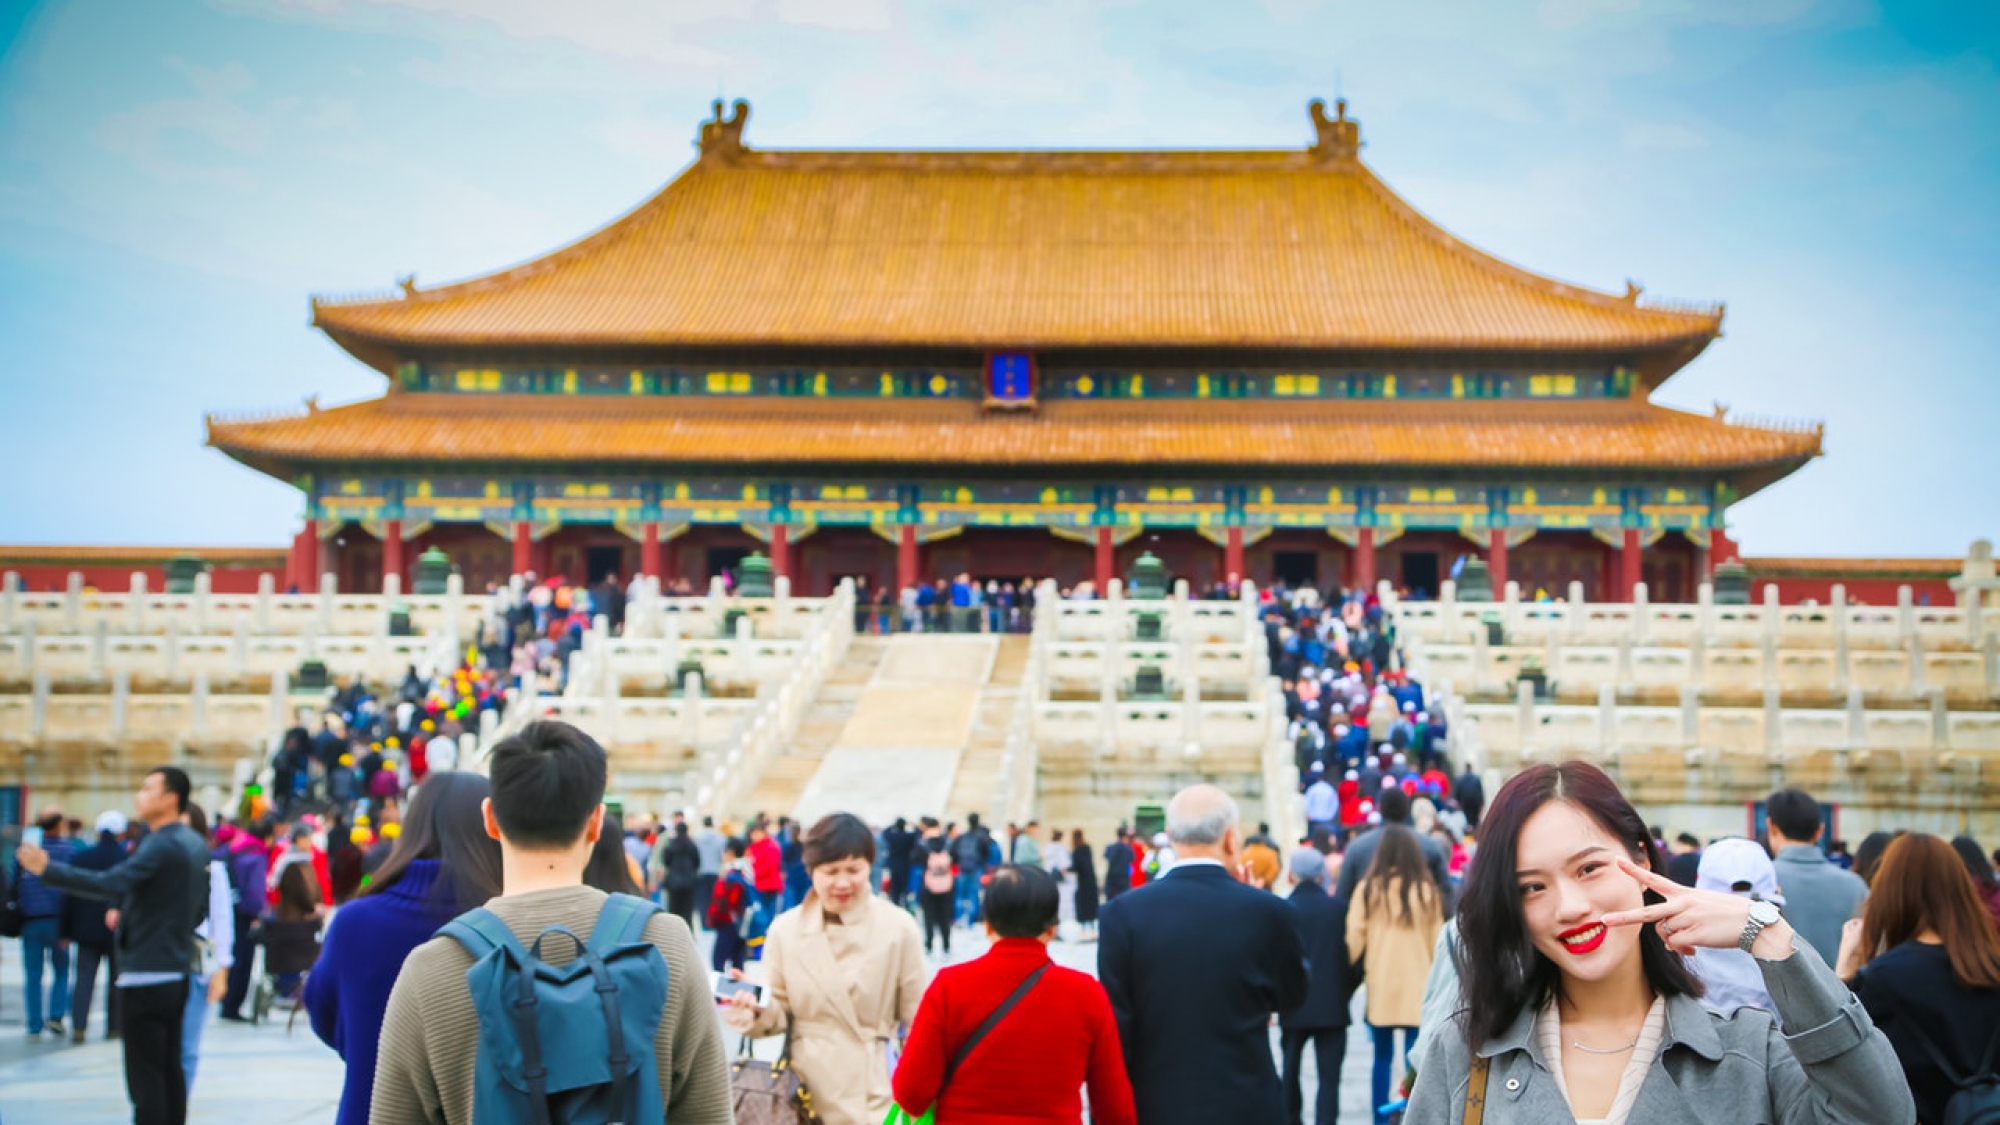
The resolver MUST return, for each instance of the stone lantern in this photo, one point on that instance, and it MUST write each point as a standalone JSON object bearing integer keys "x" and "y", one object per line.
{"x": 1148, "y": 578}
{"x": 753, "y": 577}
{"x": 181, "y": 573}
{"x": 433, "y": 571}
{"x": 1732, "y": 584}
{"x": 1475, "y": 581}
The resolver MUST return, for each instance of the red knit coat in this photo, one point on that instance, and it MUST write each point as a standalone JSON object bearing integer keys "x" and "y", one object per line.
{"x": 1059, "y": 1038}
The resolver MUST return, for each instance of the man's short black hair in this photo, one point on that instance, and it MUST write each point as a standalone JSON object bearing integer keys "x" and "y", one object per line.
{"x": 1395, "y": 806}
{"x": 1021, "y": 902}
{"x": 837, "y": 836}
{"x": 1794, "y": 813}
{"x": 177, "y": 783}
{"x": 1688, "y": 838}
{"x": 547, "y": 780}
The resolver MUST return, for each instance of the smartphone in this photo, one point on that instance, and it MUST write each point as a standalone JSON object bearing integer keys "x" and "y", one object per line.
{"x": 32, "y": 835}
{"x": 726, "y": 986}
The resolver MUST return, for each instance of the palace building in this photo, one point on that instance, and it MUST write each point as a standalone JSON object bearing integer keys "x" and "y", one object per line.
{"x": 910, "y": 364}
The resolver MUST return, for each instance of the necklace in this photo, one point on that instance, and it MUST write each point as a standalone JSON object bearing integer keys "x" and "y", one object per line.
{"x": 1604, "y": 1050}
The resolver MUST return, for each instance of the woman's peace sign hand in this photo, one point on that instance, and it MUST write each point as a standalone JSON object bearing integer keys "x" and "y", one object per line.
{"x": 1691, "y": 919}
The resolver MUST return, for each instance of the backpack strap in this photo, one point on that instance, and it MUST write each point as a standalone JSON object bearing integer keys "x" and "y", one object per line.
{"x": 1951, "y": 1073}
{"x": 622, "y": 922}
{"x": 481, "y": 932}
{"x": 992, "y": 1021}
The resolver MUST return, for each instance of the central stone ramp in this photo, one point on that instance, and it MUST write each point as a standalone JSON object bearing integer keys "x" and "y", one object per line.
{"x": 899, "y": 753}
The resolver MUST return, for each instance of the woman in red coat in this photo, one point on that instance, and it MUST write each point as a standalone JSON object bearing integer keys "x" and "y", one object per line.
{"x": 1057, "y": 1039}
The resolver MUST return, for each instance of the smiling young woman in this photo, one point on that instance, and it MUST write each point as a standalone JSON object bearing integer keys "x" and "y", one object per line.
{"x": 1579, "y": 1003}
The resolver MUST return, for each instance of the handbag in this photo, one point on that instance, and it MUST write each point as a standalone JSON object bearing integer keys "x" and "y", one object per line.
{"x": 900, "y": 1116}
{"x": 770, "y": 1093}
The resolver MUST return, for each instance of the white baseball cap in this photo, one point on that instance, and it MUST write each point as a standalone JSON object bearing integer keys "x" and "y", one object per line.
{"x": 1738, "y": 866}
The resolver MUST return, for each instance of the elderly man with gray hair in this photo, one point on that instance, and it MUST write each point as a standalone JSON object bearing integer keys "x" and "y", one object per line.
{"x": 1195, "y": 963}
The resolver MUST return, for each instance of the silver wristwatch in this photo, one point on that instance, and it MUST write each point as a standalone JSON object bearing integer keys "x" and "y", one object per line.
{"x": 1762, "y": 914}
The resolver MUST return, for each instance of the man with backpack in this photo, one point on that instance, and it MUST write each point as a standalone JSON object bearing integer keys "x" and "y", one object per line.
{"x": 504, "y": 1010}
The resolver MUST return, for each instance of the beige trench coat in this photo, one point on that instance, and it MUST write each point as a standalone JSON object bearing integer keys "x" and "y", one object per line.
{"x": 1396, "y": 955}
{"x": 841, "y": 1031}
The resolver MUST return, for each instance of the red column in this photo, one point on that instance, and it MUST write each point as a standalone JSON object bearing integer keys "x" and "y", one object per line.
{"x": 781, "y": 551}
{"x": 1364, "y": 561}
{"x": 649, "y": 550}
{"x": 1232, "y": 555}
{"x": 1105, "y": 563}
{"x": 392, "y": 550}
{"x": 906, "y": 558}
{"x": 1628, "y": 565}
{"x": 524, "y": 547}
{"x": 1496, "y": 562}
{"x": 305, "y": 552}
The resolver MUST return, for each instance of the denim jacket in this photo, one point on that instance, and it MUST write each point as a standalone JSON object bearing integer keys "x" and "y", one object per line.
{"x": 1713, "y": 1068}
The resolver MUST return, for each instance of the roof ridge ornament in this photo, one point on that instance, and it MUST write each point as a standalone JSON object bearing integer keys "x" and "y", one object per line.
{"x": 722, "y": 137}
{"x": 1337, "y": 138}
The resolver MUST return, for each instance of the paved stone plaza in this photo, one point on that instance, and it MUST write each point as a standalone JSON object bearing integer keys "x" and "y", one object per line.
{"x": 264, "y": 1075}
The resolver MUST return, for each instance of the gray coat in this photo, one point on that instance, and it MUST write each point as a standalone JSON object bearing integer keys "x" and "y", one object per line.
{"x": 1819, "y": 896}
{"x": 1738, "y": 1068}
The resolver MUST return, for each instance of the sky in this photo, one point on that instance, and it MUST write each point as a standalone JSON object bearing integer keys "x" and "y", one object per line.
{"x": 178, "y": 177}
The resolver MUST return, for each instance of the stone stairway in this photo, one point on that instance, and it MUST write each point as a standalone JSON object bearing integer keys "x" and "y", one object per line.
{"x": 979, "y": 766}
{"x": 777, "y": 792}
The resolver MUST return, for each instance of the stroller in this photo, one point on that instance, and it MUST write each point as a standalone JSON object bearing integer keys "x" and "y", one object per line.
{"x": 291, "y": 949}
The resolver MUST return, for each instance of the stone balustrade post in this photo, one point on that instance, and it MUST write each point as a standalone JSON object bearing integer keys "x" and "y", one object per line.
{"x": 239, "y": 650}
{"x": 718, "y": 595}
{"x": 1624, "y": 676}
{"x": 1906, "y": 612}
{"x": 1989, "y": 658}
{"x": 135, "y": 606}
{"x": 1690, "y": 715}
{"x": 329, "y": 588}
{"x": 1448, "y": 603}
{"x": 38, "y": 709}
{"x": 1481, "y": 655}
{"x": 121, "y": 704}
{"x": 1773, "y": 614}
{"x": 204, "y": 601}
{"x": 691, "y": 713}
{"x": 10, "y": 600}
{"x": 28, "y": 643}
{"x": 172, "y": 645}
{"x": 1573, "y": 610}
{"x": 739, "y": 648}
{"x": 266, "y": 589}
{"x": 1940, "y": 721}
{"x": 1191, "y": 712}
{"x": 73, "y": 603}
{"x": 1975, "y": 622}
{"x": 1767, "y": 658}
{"x": 1642, "y": 617}
{"x": 1704, "y": 600}
{"x": 1774, "y": 720}
{"x": 1524, "y": 720}
{"x": 1510, "y": 607}
{"x": 198, "y": 708}
{"x": 100, "y": 647}
{"x": 1918, "y": 677}
{"x": 609, "y": 724}
{"x": 281, "y": 698}
{"x": 1607, "y": 721}
{"x": 1385, "y": 592}
{"x": 1857, "y": 720}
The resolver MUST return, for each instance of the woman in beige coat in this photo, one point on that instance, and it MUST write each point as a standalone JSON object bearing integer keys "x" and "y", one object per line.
{"x": 1392, "y": 929}
{"x": 846, "y": 970}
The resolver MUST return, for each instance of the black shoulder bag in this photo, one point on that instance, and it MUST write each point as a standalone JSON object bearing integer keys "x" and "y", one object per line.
{"x": 1977, "y": 1097}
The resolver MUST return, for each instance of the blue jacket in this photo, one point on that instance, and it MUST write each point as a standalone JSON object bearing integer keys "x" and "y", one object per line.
{"x": 348, "y": 989}
{"x": 37, "y": 898}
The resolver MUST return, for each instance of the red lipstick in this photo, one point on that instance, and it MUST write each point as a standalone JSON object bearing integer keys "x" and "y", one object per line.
{"x": 1597, "y": 931}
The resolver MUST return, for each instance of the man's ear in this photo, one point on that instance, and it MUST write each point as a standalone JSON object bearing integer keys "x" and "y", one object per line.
{"x": 492, "y": 822}
{"x": 594, "y": 827}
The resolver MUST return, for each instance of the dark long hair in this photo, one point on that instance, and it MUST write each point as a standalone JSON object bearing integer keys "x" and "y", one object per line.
{"x": 1868, "y": 856}
{"x": 445, "y": 822}
{"x": 1923, "y": 885}
{"x": 609, "y": 868}
{"x": 1975, "y": 862}
{"x": 1398, "y": 863}
{"x": 1502, "y": 972}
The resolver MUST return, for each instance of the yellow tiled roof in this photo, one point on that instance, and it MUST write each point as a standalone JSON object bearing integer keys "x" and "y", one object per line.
{"x": 1267, "y": 434}
{"x": 1290, "y": 248}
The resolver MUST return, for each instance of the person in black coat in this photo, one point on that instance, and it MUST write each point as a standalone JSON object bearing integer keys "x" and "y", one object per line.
{"x": 1195, "y": 962}
{"x": 1084, "y": 866}
{"x": 1322, "y": 1020}
{"x": 83, "y": 921}
{"x": 1117, "y": 865}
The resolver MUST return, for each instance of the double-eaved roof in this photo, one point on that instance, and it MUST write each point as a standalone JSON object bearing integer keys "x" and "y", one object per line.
{"x": 1296, "y": 251}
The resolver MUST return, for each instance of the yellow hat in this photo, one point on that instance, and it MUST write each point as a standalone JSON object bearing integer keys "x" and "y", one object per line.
{"x": 391, "y": 830}
{"x": 428, "y": 725}
{"x": 360, "y": 836}
{"x": 394, "y": 743}
{"x": 347, "y": 759}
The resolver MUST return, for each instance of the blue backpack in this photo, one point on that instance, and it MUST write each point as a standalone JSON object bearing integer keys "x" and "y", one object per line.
{"x": 570, "y": 1045}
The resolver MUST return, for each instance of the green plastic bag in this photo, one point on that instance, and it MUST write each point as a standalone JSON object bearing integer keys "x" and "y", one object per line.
{"x": 899, "y": 1116}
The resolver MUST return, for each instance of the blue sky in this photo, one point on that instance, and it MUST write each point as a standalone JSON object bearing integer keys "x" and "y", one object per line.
{"x": 178, "y": 176}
